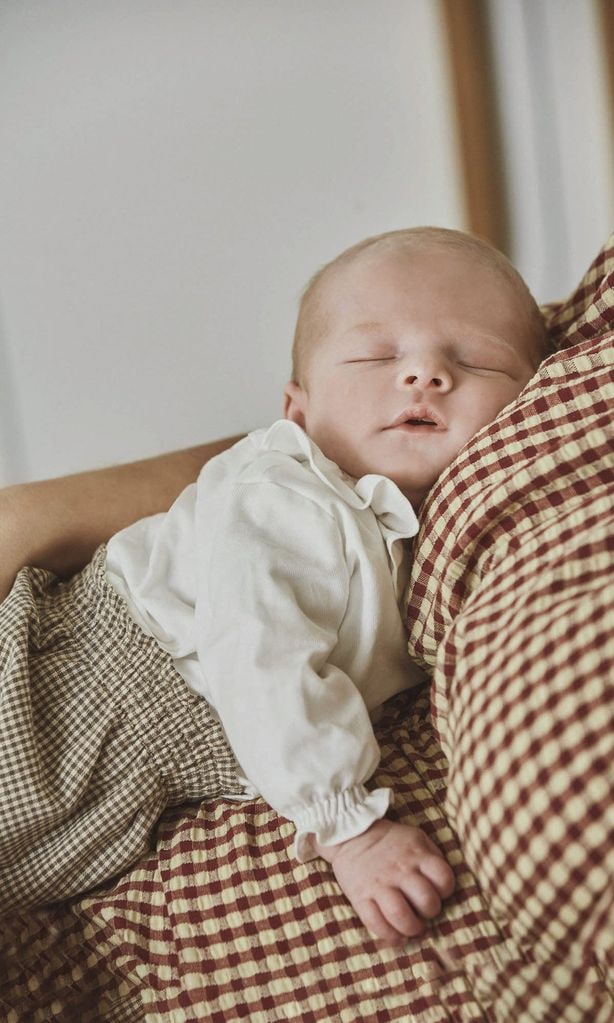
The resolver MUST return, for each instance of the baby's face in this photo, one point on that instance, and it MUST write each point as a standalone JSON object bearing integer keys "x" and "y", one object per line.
{"x": 421, "y": 350}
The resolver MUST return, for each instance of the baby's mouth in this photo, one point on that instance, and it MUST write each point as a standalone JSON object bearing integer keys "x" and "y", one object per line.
{"x": 419, "y": 417}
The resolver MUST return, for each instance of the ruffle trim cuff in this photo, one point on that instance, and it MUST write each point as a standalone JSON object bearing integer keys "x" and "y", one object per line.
{"x": 341, "y": 816}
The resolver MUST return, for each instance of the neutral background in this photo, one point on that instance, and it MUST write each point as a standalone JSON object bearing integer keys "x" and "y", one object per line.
{"x": 173, "y": 171}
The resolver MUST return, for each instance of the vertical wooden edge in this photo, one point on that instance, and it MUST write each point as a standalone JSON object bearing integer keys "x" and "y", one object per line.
{"x": 465, "y": 24}
{"x": 605, "y": 25}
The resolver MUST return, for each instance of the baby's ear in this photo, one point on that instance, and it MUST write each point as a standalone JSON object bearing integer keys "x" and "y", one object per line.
{"x": 295, "y": 403}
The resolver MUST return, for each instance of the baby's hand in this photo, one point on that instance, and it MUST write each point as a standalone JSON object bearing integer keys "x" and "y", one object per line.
{"x": 394, "y": 877}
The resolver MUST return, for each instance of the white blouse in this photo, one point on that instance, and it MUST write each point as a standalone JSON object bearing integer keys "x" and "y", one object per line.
{"x": 274, "y": 583}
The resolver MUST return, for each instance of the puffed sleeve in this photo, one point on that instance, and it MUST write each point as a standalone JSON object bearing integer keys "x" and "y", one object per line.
{"x": 272, "y": 593}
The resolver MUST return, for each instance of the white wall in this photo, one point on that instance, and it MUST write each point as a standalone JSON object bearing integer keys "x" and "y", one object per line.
{"x": 557, "y": 135}
{"x": 172, "y": 172}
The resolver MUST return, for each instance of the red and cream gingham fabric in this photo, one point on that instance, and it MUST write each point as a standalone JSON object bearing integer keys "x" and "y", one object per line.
{"x": 507, "y": 608}
{"x": 511, "y": 606}
{"x": 220, "y": 924}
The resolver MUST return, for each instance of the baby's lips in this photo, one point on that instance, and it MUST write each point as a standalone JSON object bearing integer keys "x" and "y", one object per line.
{"x": 423, "y": 414}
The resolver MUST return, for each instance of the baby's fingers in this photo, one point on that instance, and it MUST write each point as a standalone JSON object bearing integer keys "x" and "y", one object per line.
{"x": 421, "y": 895}
{"x": 390, "y": 918}
{"x": 439, "y": 873}
{"x": 376, "y": 923}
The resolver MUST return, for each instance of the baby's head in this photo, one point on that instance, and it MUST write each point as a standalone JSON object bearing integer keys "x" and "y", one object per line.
{"x": 405, "y": 346}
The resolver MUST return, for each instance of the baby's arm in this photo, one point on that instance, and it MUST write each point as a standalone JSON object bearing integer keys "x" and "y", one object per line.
{"x": 394, "y": 877}
{"x": 269, "y": 611}
{"x": 58, "y": 523}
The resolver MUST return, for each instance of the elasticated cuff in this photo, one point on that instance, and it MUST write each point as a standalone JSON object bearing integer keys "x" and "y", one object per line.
{"x": 339, "y": 817}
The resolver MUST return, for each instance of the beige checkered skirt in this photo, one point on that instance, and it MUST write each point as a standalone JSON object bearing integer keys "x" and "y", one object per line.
{"x": 98, "y": 735}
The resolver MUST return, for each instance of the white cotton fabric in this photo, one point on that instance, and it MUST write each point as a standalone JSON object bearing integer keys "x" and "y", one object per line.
{"x": 274, "y": 583}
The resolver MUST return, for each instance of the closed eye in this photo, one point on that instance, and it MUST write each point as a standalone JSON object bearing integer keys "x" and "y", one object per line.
{"x": 481, "y": 369}
{"x": 374, "y": 358}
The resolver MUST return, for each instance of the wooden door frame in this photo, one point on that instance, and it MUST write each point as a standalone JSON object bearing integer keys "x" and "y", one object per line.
{"x": 476, "y": 119}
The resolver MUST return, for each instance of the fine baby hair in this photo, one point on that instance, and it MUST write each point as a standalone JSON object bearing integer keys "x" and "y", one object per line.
{"x": 311, "y": 319}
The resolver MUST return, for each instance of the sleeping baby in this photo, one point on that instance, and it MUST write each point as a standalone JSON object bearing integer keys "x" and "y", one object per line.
{"x": 241, "y": 643}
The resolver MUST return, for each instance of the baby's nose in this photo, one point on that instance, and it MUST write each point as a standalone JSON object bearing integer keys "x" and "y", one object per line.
{"x": 427, "y": 377}
{"x": 423, "y": 379}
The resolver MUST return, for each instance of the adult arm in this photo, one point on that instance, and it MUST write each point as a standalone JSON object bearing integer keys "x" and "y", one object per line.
{"x": 58, "y": 523}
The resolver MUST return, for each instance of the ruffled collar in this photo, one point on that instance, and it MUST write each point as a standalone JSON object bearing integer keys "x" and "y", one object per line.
{"x": 395, "y": 516}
